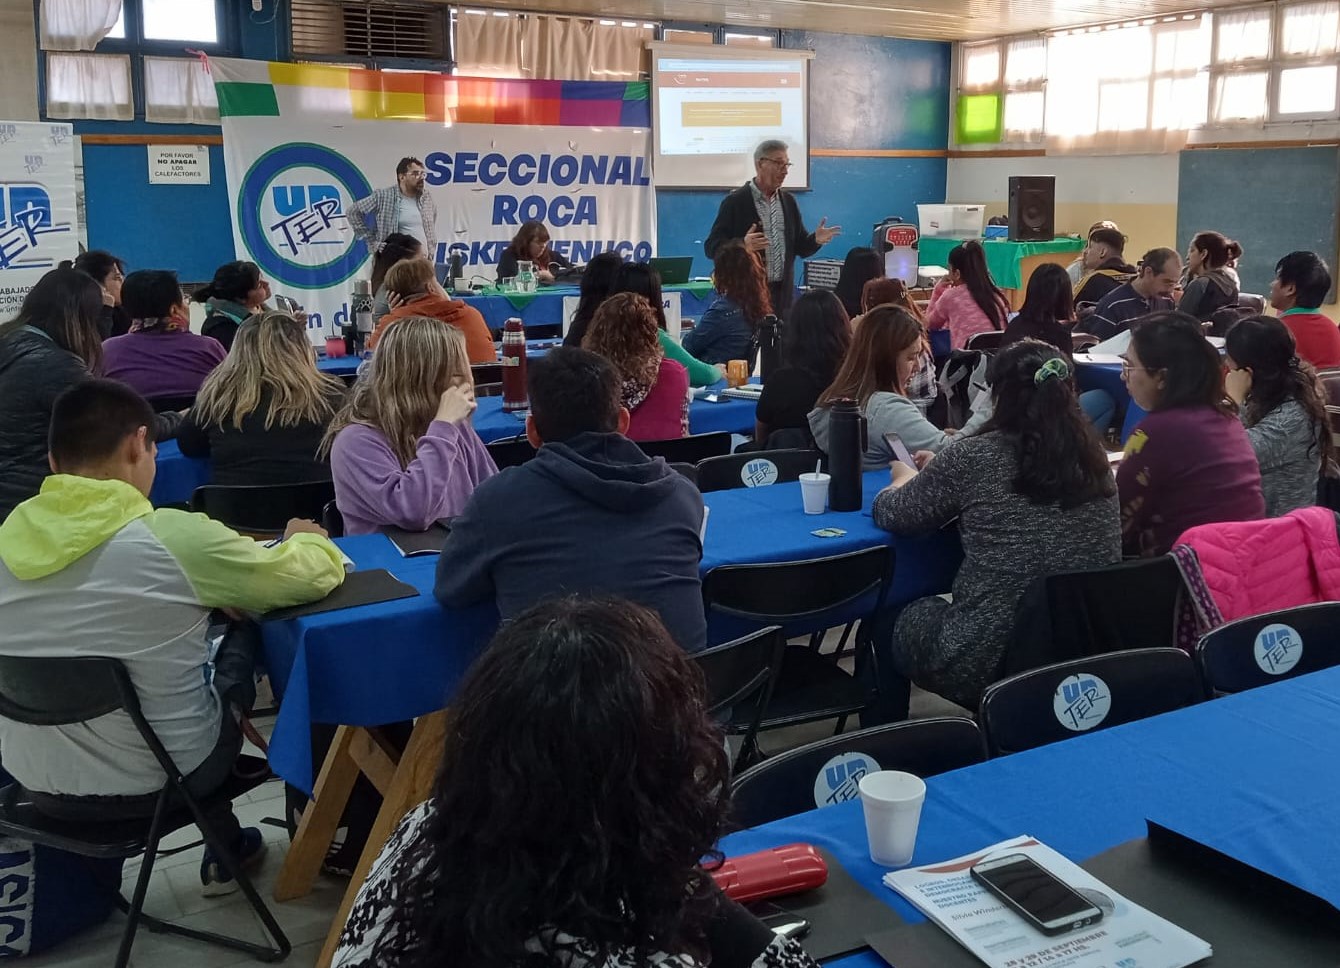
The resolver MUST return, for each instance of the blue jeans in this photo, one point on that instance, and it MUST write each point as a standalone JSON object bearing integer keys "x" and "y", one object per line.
{"x": 1100, "y": 408}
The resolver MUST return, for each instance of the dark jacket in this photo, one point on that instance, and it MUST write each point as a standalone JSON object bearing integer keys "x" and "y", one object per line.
{"x": 34, "y": 371}
{"x": 722, "y": 335}
{"x": 113, "y": 321}
{"x": 255, "y": 455}
{"x": 1051, "y": 331}
{"x": 738, "y": 214}
{"x": 1118, "y": 309}
{"x": 1205, "y": 295}
{"x": 591, "y": 515}
{"x": 1093, "y": 286}
{"x": 507, "y": 263}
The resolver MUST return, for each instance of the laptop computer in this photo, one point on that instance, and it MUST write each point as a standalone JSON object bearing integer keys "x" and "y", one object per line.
{"x": 674, "y": 271}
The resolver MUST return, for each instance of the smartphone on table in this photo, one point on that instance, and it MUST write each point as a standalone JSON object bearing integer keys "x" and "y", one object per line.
{"x": 1043, "y": 899}
{"x": 900, "y": 451}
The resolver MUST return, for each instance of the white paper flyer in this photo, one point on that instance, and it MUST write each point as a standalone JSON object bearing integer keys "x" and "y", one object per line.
{"x": 1127, "y": 936}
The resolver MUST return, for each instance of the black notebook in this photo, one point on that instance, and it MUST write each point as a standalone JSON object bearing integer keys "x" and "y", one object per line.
{"x": 359, "y": 588}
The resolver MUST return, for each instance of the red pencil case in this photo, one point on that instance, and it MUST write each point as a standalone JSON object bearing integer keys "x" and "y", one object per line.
{"x": 789, "y": 869}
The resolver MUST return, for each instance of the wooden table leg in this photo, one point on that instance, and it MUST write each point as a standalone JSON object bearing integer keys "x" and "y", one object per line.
{"x": 410, "y": 786}
{"x": 321, "y": 819}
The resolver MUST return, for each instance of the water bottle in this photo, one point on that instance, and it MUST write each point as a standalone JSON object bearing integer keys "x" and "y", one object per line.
{"x": 514, "y": 367}
{"x": 360, "y": 310}
{"x": 769, "y": 345}
{"x": 525, "y": 276}
{"x": 846, "y": 454}
{"x": 456, "y": 273}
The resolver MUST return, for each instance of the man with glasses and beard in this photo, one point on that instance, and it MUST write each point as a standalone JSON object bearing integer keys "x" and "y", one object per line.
{"x": 406, "y": 207}
{"x": 768, "y": 220}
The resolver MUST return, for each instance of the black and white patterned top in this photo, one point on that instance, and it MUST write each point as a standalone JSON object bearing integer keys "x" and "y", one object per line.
{"x": 772, "y": 220}
{"x": 362, "y": 944}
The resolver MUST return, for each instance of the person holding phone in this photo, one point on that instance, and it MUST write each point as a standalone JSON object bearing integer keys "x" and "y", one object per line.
{"x": 402, "y": 451}
{"x": 1033, "y": 495}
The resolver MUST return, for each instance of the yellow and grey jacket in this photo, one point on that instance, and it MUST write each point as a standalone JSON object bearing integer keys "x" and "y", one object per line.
{"x": 90, "y": 568}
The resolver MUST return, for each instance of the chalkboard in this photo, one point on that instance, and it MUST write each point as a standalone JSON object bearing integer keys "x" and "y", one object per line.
{"x": 1272, "y": 200}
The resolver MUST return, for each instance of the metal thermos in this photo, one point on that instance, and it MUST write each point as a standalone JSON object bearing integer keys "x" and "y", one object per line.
{"x": 769, "y": 345}
{"x": 846, "y": 455}
{"x": 514, "y": 367}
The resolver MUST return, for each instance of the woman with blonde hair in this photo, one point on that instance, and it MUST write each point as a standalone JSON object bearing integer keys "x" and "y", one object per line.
{"x": 417, "y": 293}
{"x": 885, "y": 351}
{"x": 261, "y": 414}
{"x": 655, "y": 390}
{"x": 402, "y": 451}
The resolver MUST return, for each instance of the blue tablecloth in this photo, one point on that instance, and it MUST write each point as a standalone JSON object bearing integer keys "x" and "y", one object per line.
{"x": 177, "y": 476}
{"x": 1258, "y": 766}
{"x": 385, "y": 663}
{"x": 546, "y": 307}
{"x": 346, "y": 365}
{"x": 1107, "y": 376}
{"x": 732, "y": 416}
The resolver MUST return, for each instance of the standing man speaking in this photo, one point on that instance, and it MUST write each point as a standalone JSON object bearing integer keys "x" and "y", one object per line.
{"x": 768, "y": 220}
{"x": 405, "y": 207}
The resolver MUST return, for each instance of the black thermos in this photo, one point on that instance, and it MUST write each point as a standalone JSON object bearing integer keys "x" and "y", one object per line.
{"x": 846, "y": 455}
{"x": 769, "y": 345}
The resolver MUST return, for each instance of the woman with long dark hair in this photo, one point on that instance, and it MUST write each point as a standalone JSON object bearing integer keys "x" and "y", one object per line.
{"x": 1047, "y": 314}
{"x": 814, "y": 342}
{"x": 727, "y": 330}
{"x": 52, "y": 344}
{"x": 595, "y": 286}
{"x": 861, "y": 265}
{"x": 109, "y": 272}
{"x": 1189, "y": 462}
{"x": 607, "y": 786}
{"x": 967, "y": 301}
{"x": 885, "y": 351}
{"x": 1282, "y": 407}
{"x": 531, "y": 244}
{"x": 236, "y": 292}
{"x": 1033, "y": 495}
{"x": 396, "y": 248}
{"x": 654, "y": 388}
{"x": 1211, "y": 283}
{"x": 642, "y": 279}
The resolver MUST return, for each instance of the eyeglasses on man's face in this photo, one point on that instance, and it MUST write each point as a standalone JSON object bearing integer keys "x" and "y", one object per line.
{"x": 781, "y": 163}
{"x": 416, "y": 173}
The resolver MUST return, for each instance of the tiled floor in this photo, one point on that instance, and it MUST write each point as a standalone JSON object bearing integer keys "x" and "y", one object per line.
{"x": 174, "y": 889}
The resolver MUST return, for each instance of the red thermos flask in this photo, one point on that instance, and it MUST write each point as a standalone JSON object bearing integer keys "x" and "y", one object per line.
{"x": 514, "y": 367}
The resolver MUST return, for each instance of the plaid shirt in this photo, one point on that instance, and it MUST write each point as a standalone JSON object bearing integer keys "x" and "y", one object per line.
{"x": 922, "y": 386}
{"x": 384, "y": 207}
{"x": 772, "y": 219}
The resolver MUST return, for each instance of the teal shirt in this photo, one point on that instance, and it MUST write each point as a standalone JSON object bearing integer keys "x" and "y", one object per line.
{"x": 700, "y": 374}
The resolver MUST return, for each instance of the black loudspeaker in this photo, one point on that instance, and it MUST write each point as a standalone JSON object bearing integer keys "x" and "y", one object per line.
{"x": 1032, "y": 208}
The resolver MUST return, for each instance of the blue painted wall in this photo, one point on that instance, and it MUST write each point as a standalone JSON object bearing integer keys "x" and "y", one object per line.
{"x": 866, "y": 93}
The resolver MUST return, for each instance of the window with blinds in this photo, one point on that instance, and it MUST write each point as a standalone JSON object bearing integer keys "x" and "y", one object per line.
{"x": 372, "y": 30}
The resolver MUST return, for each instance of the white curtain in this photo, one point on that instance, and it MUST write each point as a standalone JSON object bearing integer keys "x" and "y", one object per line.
{"x": 179, "y": 90}
{"x": 488, "y": 45}
{"x": 77, "y": 24}
{"x": 1243, "y": 35}
{"x": 552, "y": 48}
{"x": 89, "y": 86}
{"x": 1310, "y": 29}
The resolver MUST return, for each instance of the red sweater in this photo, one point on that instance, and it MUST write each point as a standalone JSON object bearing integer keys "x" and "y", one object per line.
{"x": 663, "y": 415}
{"x": 1318, "y": 337}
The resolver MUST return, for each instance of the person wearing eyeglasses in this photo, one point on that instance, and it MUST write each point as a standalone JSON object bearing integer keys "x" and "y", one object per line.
{"x": 406, "y": 207}
{"x": 768, "y": 220}
{"x": 1189, "y": 462}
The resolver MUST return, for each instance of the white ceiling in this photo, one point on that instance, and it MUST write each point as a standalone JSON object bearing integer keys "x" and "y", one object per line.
{"x": 921, "y": 19}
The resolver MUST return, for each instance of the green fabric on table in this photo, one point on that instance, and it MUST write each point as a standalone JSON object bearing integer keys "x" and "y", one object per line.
{"x": 1002, "y": 256}
{"x": 700, "y": 288}
{"x": 518, "y": 300}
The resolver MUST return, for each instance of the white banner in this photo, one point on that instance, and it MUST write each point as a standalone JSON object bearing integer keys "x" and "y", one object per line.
{"x": 38, "y": 217}
{"x": 293, "y": 185}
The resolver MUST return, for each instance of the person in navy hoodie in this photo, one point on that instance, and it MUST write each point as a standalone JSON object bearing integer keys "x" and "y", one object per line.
{"x": 590, "y": 514}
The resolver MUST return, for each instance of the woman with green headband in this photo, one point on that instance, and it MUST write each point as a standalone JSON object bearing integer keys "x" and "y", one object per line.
{"x": 1033, "y": 496}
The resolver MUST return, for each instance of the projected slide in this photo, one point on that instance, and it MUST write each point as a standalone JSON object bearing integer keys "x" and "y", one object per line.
{"x": 711, "y": 111}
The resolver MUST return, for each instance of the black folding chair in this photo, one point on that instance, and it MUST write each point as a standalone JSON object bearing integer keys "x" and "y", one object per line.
{"x": 65, "y": 692}
{"x": 685, "y": 470}
{"x": 797, "y": 595}
{"x": 688, "y": 450}
{"x": 1063, "y": 700}
{"x": 1267, "y": 648}
{"x": 1081, "y": 613}
{"x": 985, "y": 342}
{"x": 789, "y": 783}
{"x": 263, "y": 508}
{"x": 183, "y": 401}
{"x": 757, "y": 469}
{"x": 739, "y": 678}
{"x": 488, "y": 390}
{"x": 332, "y": 520}
{"x": 510, "y": 452}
